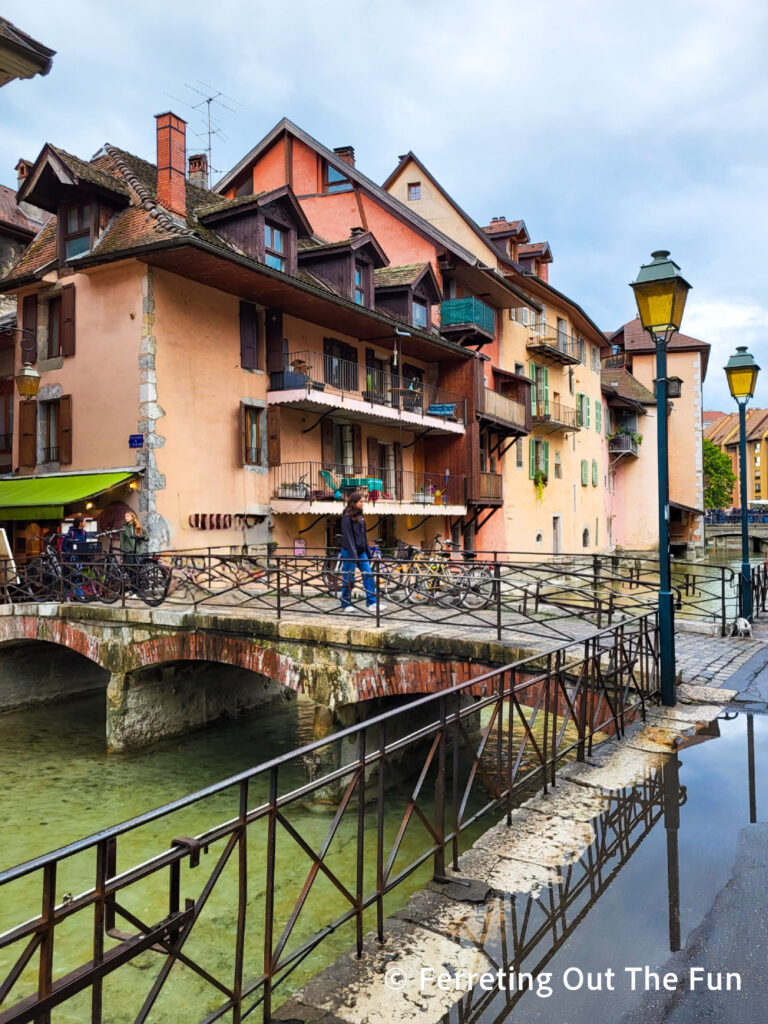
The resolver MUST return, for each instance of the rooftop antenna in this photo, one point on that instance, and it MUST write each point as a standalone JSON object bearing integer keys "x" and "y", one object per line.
{"x": 210, "y": 125}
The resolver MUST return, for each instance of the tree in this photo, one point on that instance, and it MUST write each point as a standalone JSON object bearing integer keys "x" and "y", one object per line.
{"x": 719, "y": 478}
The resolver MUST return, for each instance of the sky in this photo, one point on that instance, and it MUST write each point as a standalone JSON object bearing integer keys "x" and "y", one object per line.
{"x": 611, "y": 128}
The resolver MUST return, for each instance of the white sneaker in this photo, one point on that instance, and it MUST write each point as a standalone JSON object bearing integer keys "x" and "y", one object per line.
{"x": 372, "y": 607}
{"x": 345, "y": 611}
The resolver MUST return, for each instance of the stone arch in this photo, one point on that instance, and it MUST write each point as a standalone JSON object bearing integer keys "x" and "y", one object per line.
{"x": 35, "y": 671}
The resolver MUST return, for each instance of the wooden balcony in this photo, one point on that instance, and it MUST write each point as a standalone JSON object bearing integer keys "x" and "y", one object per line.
{"x": 468, "y": 321}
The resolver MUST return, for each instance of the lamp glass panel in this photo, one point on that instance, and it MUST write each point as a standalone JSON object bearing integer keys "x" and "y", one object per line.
{"x": 27, "y": 384}
{"x": 661, "y": 303}
{"x": 742, "y": 381}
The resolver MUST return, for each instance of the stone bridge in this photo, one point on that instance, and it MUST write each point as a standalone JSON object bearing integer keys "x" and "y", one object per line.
{"x": 166, "y": 672}
{"x": 729, "y": 535}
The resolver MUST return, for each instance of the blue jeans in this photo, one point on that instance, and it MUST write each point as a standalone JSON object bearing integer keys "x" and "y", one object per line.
{"x": 348, "y": 569}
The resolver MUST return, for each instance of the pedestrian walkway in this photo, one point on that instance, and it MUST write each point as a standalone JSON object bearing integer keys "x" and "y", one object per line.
{"x": 710, "y": 661}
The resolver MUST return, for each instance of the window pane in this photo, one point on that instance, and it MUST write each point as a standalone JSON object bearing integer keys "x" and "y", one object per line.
{"x": 75, "y": 246}
{"x": 414, "y": 190}
{"x": 72, "y": 220}
{"x": 278, "y": 240}
{"x": 359, "y": 296}
{"x": 54, "y": 328}
{"x": 268, "y": 236}
{"x": 419, "y": 313}
{"x": 334, "y": 175}
{"x": 358, "y": 275}
{"x": 276, "y": 262}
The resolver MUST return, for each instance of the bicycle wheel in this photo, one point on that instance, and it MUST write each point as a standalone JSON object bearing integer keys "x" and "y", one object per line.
{"x": 332, "y": 575}
{"x": 152, "y": 581}
{"x": 40, "y": 582}
{"x": 480, "y": 588}
{"x": 449, "y": 584}
{"x": 395, "y": 582}
{"x": 107, "y": 584}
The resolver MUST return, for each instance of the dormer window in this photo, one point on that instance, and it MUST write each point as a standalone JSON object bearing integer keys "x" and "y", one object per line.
{"x": 420, "y": 313}
{"x": 76, "y": 229}
{"x": 359, "y": 284}
{"x": 335, "y": 181}
{"x": 274, "y": 246}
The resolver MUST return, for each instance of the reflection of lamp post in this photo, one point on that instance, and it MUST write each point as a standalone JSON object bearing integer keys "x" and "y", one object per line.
{"x": 751, "y": 769}
{"x": 660, "y": 292}
{"x": 27, "y": 379}
{"x": 670, "y": 775}
{"x": 741, "y": 371}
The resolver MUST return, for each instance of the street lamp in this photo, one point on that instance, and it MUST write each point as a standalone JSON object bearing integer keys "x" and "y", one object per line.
{"x": 27, "y": 379}
{"x": 660, "y": 292}
{"x": 741, "y": 371}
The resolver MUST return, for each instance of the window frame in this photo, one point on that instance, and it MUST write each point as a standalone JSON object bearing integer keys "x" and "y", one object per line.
{"x": 54, "y": 317}
{"x": 421, "y": 302}
{"x": 414, "y": 191}
{"x": 67, "y": 236}
{"x": 258, "y": 414}
{"x": 330, "y": 187}
{"x": 278, "y": 255}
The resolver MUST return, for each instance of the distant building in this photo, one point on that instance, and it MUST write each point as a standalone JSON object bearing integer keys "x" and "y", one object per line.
{"x": 724, "y": 433}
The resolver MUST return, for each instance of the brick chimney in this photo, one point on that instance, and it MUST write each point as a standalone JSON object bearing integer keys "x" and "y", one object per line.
{"x": 347, "y": 154}
{"x": 198, "y": 170}
{"x": 22, "y": 168}
{"x": 172, "y": 163}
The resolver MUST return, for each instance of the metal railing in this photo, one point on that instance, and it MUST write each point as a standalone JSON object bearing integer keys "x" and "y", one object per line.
{"x": 503, "y": 408}
{"x": 623, "y": 444}
{"x": 553, "y": 337}
{"x": 318, "y": 481}
{"x": 243, "y": 859}
{"x": 314, "y": 371}
{"x": 469, "y": 310}
{"x": 555, "y": 413}
{"x": 50, "y": 454}
{"x": 732, "y": 516}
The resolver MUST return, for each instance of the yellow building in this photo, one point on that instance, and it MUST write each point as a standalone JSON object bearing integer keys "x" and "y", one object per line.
{"x": 724, "y": 433}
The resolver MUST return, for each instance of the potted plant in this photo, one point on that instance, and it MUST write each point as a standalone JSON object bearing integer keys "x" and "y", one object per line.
{"x": 424, "y": 496}
{"x": 370, "y": 395}
{"x": 540, "y": 481}
{"x": 294, "y": 488}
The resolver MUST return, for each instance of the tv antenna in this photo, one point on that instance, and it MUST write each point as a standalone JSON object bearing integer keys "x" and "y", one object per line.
{"x": 211, "y": 126}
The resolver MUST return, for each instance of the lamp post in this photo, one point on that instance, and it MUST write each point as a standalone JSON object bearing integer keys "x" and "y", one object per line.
{"x": 27, "y": 379}
{"x": 660, "y": 292}
{"x": 741, "y": 371}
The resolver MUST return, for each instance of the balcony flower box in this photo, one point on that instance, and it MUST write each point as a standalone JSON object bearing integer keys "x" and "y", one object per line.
{"x": 420, "y": 498}
{"x": 293, "y": 490}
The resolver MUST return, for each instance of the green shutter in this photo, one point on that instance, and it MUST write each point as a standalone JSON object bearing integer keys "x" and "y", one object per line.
{"x": 531, "y": 458}
{"x": 579, "y": 409}
{"x": 545, "y": 379}
{"x": 584, "y": 472}
{"x": 594, "y": 472}
{"x": 586, "y": 404}
{"x": 532, "y": 375}
{"x": 546, "y": 459}
{"x": 598, "y": 417}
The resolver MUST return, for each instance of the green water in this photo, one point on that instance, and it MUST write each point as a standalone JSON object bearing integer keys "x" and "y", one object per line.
{"x": 59, "y": 784}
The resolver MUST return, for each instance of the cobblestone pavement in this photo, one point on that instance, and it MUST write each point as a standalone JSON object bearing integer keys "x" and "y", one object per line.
{"x": 711, "y": 661}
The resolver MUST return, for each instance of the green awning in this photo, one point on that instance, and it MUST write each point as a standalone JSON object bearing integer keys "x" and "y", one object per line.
{"x": 44, "y": 497}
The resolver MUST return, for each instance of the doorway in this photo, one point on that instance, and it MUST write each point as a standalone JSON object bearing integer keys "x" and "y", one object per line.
{"x": 557, "y": 536}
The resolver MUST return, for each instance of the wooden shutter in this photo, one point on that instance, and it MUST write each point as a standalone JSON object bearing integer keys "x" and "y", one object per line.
{"x": 29, "y": 323}
{"x": 27, "y": 432}
{"x": 579, "y": 409}
{"x": 326, "y": 441}
{"x": 273, "y": 329}
{"x": 545, "y": 446}
{"x": 532, "y": 375}
{"x": 584, "y": 472}
{"x": 545, "y": 383}
{"x": 273, "y": 435}
{"x": 594, "y": 473}
{"x": 586, "y": 406}
{"x": 68, "y": 320}
{"x": 249, "y": 336}
{"x": 357, "y": 446}
{"x": 398, "y": 470}
{"x": 372, "y": 446}
{"x": 243, "y": 435}
{"x": 598, "y": 417}
{"x": 531, "y": 458}
{"x": 65, "y": 430}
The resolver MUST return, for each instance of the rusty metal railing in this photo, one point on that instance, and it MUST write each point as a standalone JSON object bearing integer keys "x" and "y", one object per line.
{"x": 210, "y": 894}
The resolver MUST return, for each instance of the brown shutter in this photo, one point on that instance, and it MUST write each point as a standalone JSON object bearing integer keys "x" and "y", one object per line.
{"x": 373, "y": 457}
{"x": 398, "y": 470}
{"x": 27, "y": 433}
{"x": 326, "y": 441}
{"x": 273, "y": 435}
{"x": 68, "y": 320}
{"x": 274, "y": 333}
{"x": 29, "y": 323}
{"x": 243, "y": 435}
{"x": 249, "y": 336}
{"x": 65, "y": 430}
{"x": 357, "y": 446}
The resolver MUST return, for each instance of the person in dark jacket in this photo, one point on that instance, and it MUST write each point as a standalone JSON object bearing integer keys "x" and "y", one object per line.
{"x": 356, "y": 552}
{"x": 75, "y": 535}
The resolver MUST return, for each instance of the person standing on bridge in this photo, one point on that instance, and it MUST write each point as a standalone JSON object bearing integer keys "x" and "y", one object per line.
{"x": 131, "y": 538}
{"x": 356, "y": 552}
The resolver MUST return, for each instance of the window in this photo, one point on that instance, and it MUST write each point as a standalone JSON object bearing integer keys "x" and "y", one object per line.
{"x": 252, "y": 419}
{"x": 414, "y": 191}
{"x": 54, "y": 327}
{"x": 585, "y": 538}
{"x": 584, "y": 472}
{"x": 581, "y": 347}
{"x": 335, "y": 181}
{"x": 594, "y": 358}
{"x": 56, "y": 430}
{"x": 519, "y": 369}
{"x": 419, "y": 315}
{"x": 598, "y": 416}
{"x": 558, "y": 467}
{"x": 274, "y": 246}
{"x": 595, "y": 476}
{"x": 562, "y": 334}
{"x": 359, "y": 285}
{"x": 538, "y": 458}
{"x": 518, "y": 453}
{"x": 522, "y": 315}
{"x": 77, "y": 230}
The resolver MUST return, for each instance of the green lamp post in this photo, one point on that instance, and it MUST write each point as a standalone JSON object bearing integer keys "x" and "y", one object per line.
{"x": 660, "y": 292}
{"x": 741, "y": 371}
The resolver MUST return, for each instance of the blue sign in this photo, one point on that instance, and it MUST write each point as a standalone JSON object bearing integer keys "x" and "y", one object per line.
{"x": 135, "y": 440}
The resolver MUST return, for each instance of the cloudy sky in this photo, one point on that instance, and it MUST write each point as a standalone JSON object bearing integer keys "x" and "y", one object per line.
{"x": 611, "y": 128}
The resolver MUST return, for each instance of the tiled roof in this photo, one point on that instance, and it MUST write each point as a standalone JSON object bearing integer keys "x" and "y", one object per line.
{"x": 389, "y": 277}
{"x": 91, "y": 172}
{"x": 219, "y": 203}
{"x": 622, "y": 383}
{"x": 41, "y": 251}
{"x": 717, "y": 432}
{"x": 532, "y": 249}
{"x": 503, "y": 226}
{"x": 636, "y": 339}
{"x": 11, "y": 215}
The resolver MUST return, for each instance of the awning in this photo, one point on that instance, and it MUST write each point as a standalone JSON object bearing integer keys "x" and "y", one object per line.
{"x": 44, "y": 497}
{"x": 686, "y": 508}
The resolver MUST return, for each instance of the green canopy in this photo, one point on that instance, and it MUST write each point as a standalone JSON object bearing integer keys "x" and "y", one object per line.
{"x": 44, "y": 497}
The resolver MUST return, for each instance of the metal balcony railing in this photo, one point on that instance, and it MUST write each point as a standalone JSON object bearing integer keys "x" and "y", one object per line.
{"x": 50, "y": 454}
{"x": 318, "y": 481}
{"x": 469, "y": 310}
{"x": 623, "y": 444}
{"x": 544, "y": 335}
{"x": 556, "y": 414}
{"x": 504, "y": 408}
{"x": 319, "y": 372}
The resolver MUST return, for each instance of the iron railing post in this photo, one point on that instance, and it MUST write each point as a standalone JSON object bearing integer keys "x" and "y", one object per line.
{"x": 359, "y": 890}
{"x": 439, "y": 861}
{"x": 497, "y": 584}
{"x": 269, "y": 894}
{"x": 278, "y": 601}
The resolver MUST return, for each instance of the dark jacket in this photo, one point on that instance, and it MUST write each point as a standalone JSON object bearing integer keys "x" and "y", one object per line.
{"x": 71, "y": 537}
{"x": 353, "y": 535}
{"x": 129, "y": 539}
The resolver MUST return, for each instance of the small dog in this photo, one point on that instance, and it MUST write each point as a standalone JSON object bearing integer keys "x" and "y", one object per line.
{"x": 742, "y": 627}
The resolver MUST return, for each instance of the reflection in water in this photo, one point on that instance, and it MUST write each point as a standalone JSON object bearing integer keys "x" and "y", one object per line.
{"x": 606, "y": 911}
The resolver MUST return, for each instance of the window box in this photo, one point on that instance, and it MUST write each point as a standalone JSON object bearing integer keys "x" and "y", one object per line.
{"x": 293, "y": 490}
{"x": 419, "y": 498}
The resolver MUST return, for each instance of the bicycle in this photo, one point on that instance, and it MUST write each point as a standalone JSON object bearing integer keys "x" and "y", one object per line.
{"x": 431, "y": 577}
{"x": 332, "y": 570}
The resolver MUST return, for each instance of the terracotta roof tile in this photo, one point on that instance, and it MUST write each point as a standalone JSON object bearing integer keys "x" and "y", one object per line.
{"x": 503, "y": 226}
{"x": 636, "y": 339}
{"x": 11, "y": 215}
{"x": 91, "y": 172}
{"x": 532, "y": 248}
{"x": 622, "y": 383}
{"x": 41, "y": 251}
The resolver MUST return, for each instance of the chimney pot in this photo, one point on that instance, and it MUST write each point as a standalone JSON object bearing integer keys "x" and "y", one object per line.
{"x": 347, "y": 154}
{"x": 357, "y": 231}
{"x": 172, "y": 163}
{"x": 198, "y": 170}
{"x": 22, "y": 168}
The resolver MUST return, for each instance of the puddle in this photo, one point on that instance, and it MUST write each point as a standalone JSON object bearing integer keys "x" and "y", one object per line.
{"x": 646, "y": 882}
